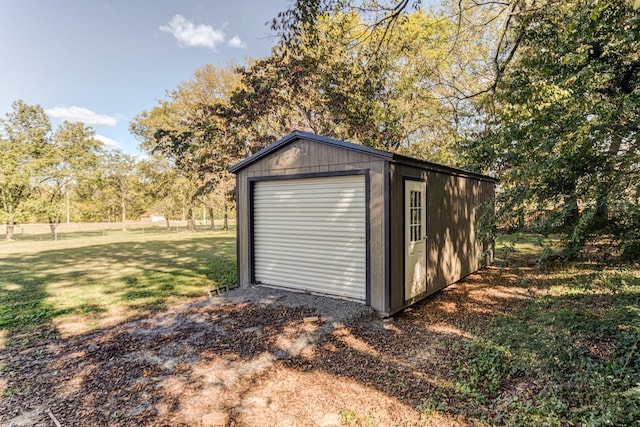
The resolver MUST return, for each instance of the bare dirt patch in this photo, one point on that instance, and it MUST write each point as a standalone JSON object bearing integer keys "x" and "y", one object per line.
{"x": 251, "y": 355}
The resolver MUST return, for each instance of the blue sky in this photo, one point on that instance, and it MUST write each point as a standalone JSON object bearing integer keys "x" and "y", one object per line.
{"x": 104, "y": 62}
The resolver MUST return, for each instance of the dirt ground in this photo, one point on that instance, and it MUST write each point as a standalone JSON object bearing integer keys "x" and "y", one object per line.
{"x": 256, "y": 360}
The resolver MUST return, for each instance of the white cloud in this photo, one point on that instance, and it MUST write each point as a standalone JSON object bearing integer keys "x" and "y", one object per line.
{"x": 237, "y": 43}
{"x": 189, "y": 34}
{"x": 79, "y": 114}
{"x": 108, "y": 141}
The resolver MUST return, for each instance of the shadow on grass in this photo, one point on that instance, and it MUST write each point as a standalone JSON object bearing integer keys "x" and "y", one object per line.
{"x": 489, "y": 351}
{"x": 493, "y": 349}
{"x": 37, "y": 287}
{"x": 132, "y": 229}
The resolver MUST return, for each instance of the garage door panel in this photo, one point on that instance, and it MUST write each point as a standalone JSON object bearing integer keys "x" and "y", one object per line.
{"x": 319, "y": 253}
{"x": 310, "y": 234}
{"x": 331, "y": 285}
{"x": 320, "y": 270}
{"x": 319, "y": 265}
{"x": 320, "y": 249}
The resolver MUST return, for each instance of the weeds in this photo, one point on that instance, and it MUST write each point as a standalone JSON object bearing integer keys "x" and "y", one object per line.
{"x": 352, "y": 418}
{"x": 571, "y": 357}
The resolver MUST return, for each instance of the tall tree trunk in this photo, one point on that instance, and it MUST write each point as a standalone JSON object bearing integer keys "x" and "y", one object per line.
{"x": 611, "y": 169}
{"x": 10, "y": 222}
{"x": 213, "y": 222}
{"x": 573, "y": 214}
{"x": 9, "y": 233}
{"x": 225, "y": 226}
{"x": 123, "y": 208}
{"x": 68, "y": 207}
{"x": 191, "y": 224}
{"x": 53, "y": 225}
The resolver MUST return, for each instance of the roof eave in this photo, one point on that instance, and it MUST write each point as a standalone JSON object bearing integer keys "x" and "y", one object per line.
{"x": 437, "y": 167}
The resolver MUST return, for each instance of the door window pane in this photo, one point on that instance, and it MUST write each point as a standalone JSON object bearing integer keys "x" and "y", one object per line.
{"x": 415, "y": 216}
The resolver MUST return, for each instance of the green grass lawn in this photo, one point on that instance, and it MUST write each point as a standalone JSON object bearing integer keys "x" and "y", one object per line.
{"x": 571, "y": 356}
{"x": 83, "y": 283}
{"x": 568, "y": 355}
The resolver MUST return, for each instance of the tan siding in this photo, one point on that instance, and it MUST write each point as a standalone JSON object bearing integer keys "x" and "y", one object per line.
{"x": 242, "y": 224}
{"x": 313, "y": 155}
{"x": 396, "y": 246}
{"x": 304, "y": 157}
{"x": 396, "y": 251}
{"x": 377, "y": 238}
{"x": 453, "y": 251}
{"x": 452, "y": 212}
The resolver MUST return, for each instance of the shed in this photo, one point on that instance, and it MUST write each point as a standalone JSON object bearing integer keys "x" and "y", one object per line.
{"x": 320, "y": 215}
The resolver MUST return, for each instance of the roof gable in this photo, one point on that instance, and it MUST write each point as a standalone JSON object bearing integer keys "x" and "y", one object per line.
{"x": 295, "y": 135}
{"x": 386, "y": 155}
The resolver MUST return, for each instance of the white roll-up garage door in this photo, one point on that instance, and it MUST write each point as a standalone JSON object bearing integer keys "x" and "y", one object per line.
{"x": 310, "y": 234}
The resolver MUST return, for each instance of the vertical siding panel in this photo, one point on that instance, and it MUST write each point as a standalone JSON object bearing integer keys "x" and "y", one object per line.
{"x": 376, "y": 235}
{"x": 304, "y": 155}
{"x": 397, "y": 237}
{"x": 242, "y": 229}
{"x": 313, "y": 152}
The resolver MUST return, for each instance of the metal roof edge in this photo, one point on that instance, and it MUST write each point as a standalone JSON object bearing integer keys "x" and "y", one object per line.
{"x": 437, "y": 167}
{"x": 296, "y": 134}
{"x": 387, "y": 155}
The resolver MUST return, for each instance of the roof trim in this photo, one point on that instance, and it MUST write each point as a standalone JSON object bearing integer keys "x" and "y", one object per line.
{"x": 437, "y": 167}
{"x": 312, "y": 137}
{"x": 386, "y": 155}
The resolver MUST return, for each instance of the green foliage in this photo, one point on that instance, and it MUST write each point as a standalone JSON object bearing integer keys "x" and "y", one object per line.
{"x": 349, "y": 80}
{"x": 483, "y": 367}
{"x": 191, "y": 132}
{"x": 570, "y": 357}
{"x": 564, "y": 133}
{"x": 38, "y": 170}
{"x": 350, "y": 417}
{"x": 24, "y": 142}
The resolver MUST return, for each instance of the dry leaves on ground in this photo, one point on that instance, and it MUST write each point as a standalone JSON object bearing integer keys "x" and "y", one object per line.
{"x": 260, "y": 363}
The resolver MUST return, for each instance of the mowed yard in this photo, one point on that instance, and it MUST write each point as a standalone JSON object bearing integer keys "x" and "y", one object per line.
{"x": 116, "y": 330}
{"x": 85, "y": 282}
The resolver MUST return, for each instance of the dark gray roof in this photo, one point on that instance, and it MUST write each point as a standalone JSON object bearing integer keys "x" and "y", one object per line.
{"x": 386, "y": 155}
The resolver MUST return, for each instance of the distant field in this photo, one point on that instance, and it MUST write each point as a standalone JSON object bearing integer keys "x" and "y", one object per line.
{"x": 87, "y": 281}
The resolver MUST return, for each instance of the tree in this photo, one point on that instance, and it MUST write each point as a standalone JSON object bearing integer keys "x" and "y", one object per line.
{"x": 333, "y": 78}
{"x": 564, "y": 129}
{"x": 73, "y": 154}
{"x": 24, "y": 143}
{"x": 120, "y": 182}
{"x": 189, "y": 131}
{"x": 162, "y": 187}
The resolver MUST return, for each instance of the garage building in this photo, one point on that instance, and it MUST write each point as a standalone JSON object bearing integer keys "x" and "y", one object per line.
{"x": 325, "y": 216}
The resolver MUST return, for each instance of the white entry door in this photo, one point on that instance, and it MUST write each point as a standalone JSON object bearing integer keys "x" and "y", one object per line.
{"x": 415, "y": 220}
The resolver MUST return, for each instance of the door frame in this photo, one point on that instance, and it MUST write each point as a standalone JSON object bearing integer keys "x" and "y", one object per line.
{"x": 404, "y": 239}
{"x": 367, "y": 191}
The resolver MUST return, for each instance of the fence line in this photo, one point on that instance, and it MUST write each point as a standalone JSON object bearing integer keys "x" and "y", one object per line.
{"x": 66, "y": 230}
